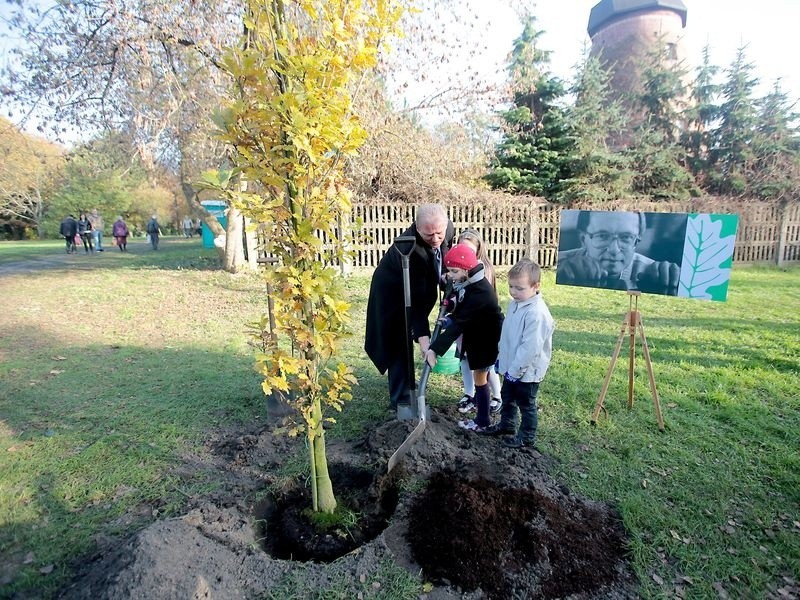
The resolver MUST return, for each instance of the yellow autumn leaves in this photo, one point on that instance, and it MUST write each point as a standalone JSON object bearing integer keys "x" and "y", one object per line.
{"x": 289, "y": 125}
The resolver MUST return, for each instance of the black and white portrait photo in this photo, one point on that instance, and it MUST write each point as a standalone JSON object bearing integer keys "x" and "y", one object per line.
{"x": 619, "y": 250}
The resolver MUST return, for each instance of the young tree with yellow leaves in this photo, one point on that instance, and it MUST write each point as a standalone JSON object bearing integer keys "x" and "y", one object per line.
{"x": 290, "y": 128}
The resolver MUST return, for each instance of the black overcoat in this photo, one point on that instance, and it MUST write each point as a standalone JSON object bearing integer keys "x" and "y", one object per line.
{"x": 478, "y": 317}
{"x": 385, "y": 339}
{"x": 69, "y": 227}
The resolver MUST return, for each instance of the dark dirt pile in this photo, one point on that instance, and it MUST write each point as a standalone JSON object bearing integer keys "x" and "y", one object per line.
{"x": 476, "y": 519}
{"x": 513, "y": 543}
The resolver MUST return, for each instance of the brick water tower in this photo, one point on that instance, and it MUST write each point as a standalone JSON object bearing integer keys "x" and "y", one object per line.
{"x": 624, "y": 31}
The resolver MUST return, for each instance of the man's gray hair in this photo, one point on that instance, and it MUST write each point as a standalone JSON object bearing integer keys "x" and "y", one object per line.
{"x": 430, "y": 213}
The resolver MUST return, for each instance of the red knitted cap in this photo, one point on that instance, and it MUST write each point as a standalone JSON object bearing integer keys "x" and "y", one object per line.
{"x": 461, "y": 256}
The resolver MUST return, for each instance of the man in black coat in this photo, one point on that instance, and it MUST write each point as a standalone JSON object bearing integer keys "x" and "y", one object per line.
{"x": 69, "y": 228}
{"x": 386, "y": 339}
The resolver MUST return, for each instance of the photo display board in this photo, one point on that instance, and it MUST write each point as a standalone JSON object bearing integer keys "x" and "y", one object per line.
{"x": 674, "y": 254}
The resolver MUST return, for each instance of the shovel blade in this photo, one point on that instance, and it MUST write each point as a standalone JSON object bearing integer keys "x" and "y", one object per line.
{"x": 406, "y": 445}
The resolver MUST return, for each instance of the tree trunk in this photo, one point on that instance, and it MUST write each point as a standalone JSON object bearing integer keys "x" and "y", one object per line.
{"x": 321, "y": 480}
{"x": 234, "y": 244}
{"x": 232, "y": 255}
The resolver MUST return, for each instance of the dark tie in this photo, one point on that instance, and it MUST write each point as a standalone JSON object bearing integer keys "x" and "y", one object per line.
{"x": 437, "y": 257}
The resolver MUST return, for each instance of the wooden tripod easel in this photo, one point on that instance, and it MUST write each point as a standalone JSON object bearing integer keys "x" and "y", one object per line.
{"x": 631, "y": 323}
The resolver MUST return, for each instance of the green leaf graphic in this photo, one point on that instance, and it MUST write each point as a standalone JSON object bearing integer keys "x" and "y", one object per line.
{"x": 707, "y": 254}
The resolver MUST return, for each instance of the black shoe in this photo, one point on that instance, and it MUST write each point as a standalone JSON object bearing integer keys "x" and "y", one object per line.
{"x": 498, "y": 429}
{"x": 495, "y": 405}
{"x": 517, "y": 442}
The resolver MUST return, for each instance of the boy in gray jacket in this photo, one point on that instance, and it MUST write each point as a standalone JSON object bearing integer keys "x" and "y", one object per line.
{"x": 526, "y": 345}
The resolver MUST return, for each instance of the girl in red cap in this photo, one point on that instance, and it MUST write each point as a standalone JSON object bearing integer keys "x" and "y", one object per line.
{"x": 466, "y": 404}
{"x": 477, "y": 317}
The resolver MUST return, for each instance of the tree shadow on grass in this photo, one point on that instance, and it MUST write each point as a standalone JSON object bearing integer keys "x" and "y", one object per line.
{"x": 172, "y": 254}
{"x": 94, "y": 440}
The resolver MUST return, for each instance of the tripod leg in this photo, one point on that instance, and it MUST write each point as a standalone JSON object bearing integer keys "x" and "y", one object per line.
{"x": 631, "y": 358}
{"x": 614, "y": 357}
{"x": 646, "y": 352}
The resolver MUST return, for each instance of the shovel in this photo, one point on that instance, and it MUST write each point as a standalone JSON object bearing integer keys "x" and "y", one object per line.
{"x": 422, "y": 410}
{"x": 405, "y": 245}
{"x": 414, "y": 435}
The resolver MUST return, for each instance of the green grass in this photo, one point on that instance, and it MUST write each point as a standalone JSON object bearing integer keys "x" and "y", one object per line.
{"x": 14, "y": 251}
{"x": 111, "y": 375}
{"x": 388, "y": 582}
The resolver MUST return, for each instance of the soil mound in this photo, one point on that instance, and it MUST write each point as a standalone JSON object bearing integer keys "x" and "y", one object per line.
{"x": 477, "y": 519}
{"x": 513, "y": 542}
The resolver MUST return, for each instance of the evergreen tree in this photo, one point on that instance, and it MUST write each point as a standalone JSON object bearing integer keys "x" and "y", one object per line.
{"x": 657, "y": 167}
{"x": 731, "y": 156}
{"x": 598, "y": 174}
{"x": 530, "y": 157}
{"x": 700, "y": 116}
{"x": 775, "y": 172}
{"x": 657, "y": 159}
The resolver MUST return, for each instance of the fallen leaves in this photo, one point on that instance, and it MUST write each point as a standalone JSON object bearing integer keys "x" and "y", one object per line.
{"x": 728, "y": 528}
{"x": 721, "y": 593}
{"x": 675, "y": 535}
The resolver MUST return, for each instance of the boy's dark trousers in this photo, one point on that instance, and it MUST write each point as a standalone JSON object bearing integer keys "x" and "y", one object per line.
{"x": 520, "y": 395}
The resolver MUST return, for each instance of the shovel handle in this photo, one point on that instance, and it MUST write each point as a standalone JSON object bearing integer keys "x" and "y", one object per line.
{"x": 423, "y": 381}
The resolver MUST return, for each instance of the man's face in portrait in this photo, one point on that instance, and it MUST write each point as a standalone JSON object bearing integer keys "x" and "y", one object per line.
{"x": 610, "y": 239}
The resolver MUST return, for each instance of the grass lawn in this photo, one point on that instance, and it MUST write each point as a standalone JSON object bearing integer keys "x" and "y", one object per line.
{"x": 114, "y": 367}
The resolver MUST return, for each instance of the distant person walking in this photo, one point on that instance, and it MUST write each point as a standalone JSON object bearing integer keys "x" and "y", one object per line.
{"x": 120, "y": 232}
{"x": 154, "y": 231}
{"x": 188, "y": 227}
{"x": 69, "y": 229}
{"x": 85, "y": 233}
{"x": 97, "y": 229}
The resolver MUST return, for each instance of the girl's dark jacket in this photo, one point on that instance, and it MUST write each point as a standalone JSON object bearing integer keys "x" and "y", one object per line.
{"x": 385, "y": 338}
{"x": 477, "y": 316}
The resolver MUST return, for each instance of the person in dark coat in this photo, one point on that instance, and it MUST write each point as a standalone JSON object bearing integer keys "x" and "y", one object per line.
{"x": 69, "y": 228}
{"x": 386, "y": 338}
{"x": 476, "y": 316}
{"x": 85, "y": 232}
{"x": 154, "y": 231}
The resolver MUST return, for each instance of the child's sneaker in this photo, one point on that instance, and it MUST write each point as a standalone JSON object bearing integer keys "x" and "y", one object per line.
{"x": 471, "y": 425}
{"x": 495, "y": 405}
{"x": 466, "y": 405}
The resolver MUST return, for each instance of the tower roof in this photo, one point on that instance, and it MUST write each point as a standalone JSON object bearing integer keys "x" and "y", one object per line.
{"x": 608, "y": 10}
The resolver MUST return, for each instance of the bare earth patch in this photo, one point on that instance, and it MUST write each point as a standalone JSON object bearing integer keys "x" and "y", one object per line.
{"x": 476, "y": 519}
